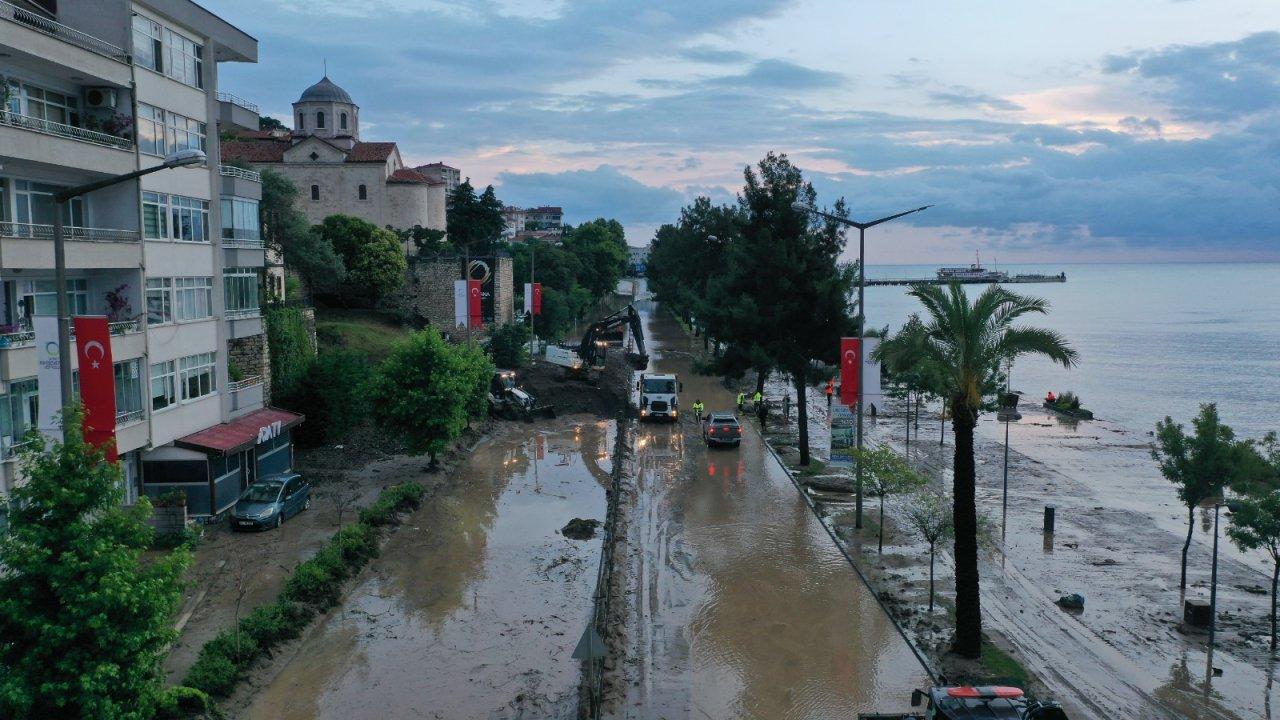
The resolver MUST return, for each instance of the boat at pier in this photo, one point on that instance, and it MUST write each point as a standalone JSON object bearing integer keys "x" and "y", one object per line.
{"x": 974, "y": 274}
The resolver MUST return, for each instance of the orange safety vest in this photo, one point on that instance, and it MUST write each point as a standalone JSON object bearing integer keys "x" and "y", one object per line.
{"x": 831, "y": 386}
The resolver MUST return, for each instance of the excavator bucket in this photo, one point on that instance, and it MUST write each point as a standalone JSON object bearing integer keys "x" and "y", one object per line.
{"x": 639, "y": 361}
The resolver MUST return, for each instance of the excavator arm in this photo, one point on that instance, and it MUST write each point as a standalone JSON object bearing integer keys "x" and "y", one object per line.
{"x": 590, "y": 348}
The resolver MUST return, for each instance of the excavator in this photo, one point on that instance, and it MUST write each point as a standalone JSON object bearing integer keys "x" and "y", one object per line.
{"x": 590, "y": 353}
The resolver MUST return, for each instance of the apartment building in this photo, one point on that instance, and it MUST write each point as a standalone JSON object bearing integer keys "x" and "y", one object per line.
{"x": 174, "y": 259}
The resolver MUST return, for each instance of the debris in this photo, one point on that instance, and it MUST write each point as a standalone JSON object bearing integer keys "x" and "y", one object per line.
{"x": 580, "y": 529}
{"x": 1074, "y": 601}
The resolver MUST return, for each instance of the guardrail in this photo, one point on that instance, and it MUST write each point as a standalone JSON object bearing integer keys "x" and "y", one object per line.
{"x": 237, "y": 172}
{"x": 237, "y": 100}
{"x": 69, "y": 232}
{"x": 243, "y": 243}
{"x": 42, "y": 24}
{"x": 244, "y": 383}
{"x": 71, "y": 132}
{"x": 10, "y": 451}
{"x": 129, "y": 416}
{"x": 27, "y": 338}
{"x": 242, "y": 313}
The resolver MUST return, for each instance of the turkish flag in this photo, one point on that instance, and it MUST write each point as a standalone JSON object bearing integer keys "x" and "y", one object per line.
{"x": 537, "y": 298}
{"x": 97, "y": 382}
{"x": 475, "y": 308}
{"x": 850, "y": 361}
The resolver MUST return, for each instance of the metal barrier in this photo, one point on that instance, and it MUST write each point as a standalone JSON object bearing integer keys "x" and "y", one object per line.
{"x": 40, "y": 23}
{"x": 237, "y": 100}
{"x": 237, "y": 172}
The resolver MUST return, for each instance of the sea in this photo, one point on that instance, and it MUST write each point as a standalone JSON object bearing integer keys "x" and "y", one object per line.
{"x": 1155, "y": 340}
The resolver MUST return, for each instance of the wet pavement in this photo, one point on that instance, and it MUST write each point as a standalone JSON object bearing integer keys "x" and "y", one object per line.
{"x": 738, "y": 603}
{"x": 475, "y": 605}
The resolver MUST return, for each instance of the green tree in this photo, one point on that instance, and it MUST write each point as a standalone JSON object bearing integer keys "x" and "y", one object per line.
{"x": 968, "y": 343}
{"x": 474, "y": 222}
{"x": 509, "y": 346}
{"x": 1255, "y": 524}
{"x": 1200, "y": 465}
{"x": 427, "y": 241}
{"x": 427, "y": 390}
{"x": 285, "y": 231}
{"x": 928, "y": 515}
{"x": 887, "y": 474}
{"x": 784, "y": 274}
{"x": 291, "y": 351}
{"x": 1258, "y": 464}
{"x": 266, "y": 122}
{"x": 601, "y": 247}
{"x": 84, "y": 622}
{"x": 904, "y": 360}
{"x": 373, "y": 257}
{"x": 331, "y": 395}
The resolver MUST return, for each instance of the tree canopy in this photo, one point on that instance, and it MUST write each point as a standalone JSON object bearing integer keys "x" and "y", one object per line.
{"x": 372, "y": 256}
{"x": 474, "y": 222}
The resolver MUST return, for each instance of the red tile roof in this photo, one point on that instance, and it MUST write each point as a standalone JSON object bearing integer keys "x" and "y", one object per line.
{"x": 239, "y": 434}
{"x": 371, "y": 152}
{"x": 258, "y": 151}
{"x": 405, "y": 175}
{"x": 439, "y": 165}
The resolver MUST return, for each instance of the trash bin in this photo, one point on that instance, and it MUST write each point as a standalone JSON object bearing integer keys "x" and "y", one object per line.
{"x": 1195, "y": 612}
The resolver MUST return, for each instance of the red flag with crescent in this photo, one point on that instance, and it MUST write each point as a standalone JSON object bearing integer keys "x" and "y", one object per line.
{"x": 475, "y": 308}
{"x": 850, "y": 361}
{"x": 537, "y": 298}
{"x": 97, "y": 382}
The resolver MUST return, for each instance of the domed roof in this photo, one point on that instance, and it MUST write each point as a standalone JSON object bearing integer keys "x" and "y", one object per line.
{"x": 325, "y": 91}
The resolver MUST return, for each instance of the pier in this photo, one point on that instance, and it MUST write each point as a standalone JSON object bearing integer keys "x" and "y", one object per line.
{"x": 1060, "y": 277}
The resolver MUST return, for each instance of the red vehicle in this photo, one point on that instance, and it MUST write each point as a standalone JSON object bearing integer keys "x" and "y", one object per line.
{"x": 722, "y": 429}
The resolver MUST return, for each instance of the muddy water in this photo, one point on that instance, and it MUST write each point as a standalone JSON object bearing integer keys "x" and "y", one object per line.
{"x": 740, "y": 605}
{"x": 474, "y": 608}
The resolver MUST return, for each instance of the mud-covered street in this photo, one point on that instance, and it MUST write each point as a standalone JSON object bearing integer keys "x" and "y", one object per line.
{"x": 475, "y": 605}
{"x": 737, "y": 602}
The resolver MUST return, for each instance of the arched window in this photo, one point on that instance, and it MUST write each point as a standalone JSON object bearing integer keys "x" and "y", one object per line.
{"x": 302, "y": 121}
{"x": 315, "y": 192}
{"x": 320, "y": 120}
{"x": 342, "y": 121}
{"x": 363, "y": 192}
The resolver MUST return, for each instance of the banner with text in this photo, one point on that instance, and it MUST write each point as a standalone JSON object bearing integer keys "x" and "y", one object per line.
{"x": 481, "y": 269}
{"x": 48, "y": 375}
{"x": 842, "y": 437}
{"x": 97, "y": 382}
{"x": 460, "y": 303}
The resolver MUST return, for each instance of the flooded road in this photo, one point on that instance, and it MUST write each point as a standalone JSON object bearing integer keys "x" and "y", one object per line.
{"x": 739, "y": 605}
{"x": 475, "y": 605}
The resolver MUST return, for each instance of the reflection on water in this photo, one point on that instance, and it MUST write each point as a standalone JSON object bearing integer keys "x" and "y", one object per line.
{"x": 474, "y": 607}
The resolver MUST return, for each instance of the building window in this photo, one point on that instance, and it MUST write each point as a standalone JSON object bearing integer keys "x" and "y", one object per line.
{"x": 193, "y": 298}
{"x": 40, "y": 297}
{"x": 37, "y": 102}
{"x": 196, "y": 375}
{"x": 315, "y": 192}
{"x": 159, "y": 301}
{"x": 363, "y": 192}
{"x": 163, "y": 385}
{"x": 128, "y": 388}
{"x": 319, "y": 121}
{"x": 155, "y": 216}
{"x": 342, "y": 121}
{"x": 161, "y": 132}
{"x": 185, "y": 59}
{"x": 240, "y": 219}
{"x": 148, "y": 51}
{"x": 150, "y": 123}
{"x": 33, "y": 203}
{"x": 19, "y": 411}
{"x": 240, "y": 286}
{"x": 301, "y": 121}
{"x": 183, "y": 133}
{"x": 190, "y": 218}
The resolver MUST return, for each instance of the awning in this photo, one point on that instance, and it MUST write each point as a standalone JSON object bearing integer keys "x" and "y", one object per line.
{"x": 241, "y": 433}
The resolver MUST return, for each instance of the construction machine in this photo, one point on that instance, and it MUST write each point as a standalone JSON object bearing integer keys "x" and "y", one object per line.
{"x": 508, "y": 400}
{"x": 589, "y": 354}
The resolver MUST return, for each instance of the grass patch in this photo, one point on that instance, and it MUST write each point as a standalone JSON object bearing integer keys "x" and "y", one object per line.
{"x": 314, "y": 586}
{"x": 370, "y": 333}
{"x": 1001, "y": 667}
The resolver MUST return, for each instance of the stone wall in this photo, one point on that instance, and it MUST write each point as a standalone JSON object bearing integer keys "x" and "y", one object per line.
{"x": 252, "y": 355}
{"x": 428, "y": 291}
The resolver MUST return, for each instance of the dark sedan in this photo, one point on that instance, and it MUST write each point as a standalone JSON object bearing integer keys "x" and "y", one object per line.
{"x": 722, "y": 429}
{"x": 270, "y": 501}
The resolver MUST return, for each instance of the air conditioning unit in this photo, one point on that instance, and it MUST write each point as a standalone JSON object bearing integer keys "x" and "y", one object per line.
{"x": 100, "y": 98}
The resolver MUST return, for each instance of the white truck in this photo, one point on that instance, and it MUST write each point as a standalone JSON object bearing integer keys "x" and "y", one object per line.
{"x": 658, "y": 396}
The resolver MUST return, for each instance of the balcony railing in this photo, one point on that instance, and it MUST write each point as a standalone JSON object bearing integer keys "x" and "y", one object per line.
{"x": 129, "y": 416}
{"x": 48, "y": 127}
{"x": 27, "y": 338}
{"x": 10, "y": 450}
{"x": 244, "y": 383}
{"x": 237, "y": 100}
{"x": 40, "y": 23}
{"x": 69, "y": 232}
{"x": 242, "y": 313}
{"x": 235, "y": 172}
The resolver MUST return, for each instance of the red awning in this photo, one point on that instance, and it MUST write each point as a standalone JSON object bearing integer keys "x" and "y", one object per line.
{"x": 241, "y": 433}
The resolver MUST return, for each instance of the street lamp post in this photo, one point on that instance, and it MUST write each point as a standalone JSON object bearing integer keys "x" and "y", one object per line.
{"x": 1008, "y": 413}
{"x": 862, "y": 316}
{"x": 180, "y": 158}
{"x": 1213, "y": 578}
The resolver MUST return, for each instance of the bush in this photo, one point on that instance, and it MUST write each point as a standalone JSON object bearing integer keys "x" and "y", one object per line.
{"x": 357, "y": 544}
{"x": 392, "y": 501}
{"x": 213, "y": 673}
{"x": 291, "y": 350}
{"x": 275, "y": 622}
{"x": 330, "y": 395}
{"x": 182, "y": 702}
{"x": 509, "y": 346}
{"x": 313, "y": 584}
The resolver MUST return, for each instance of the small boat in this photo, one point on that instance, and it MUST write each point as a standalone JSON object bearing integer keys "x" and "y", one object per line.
{"x": 975, "y": 273}
{"x": 1069, "y": 405}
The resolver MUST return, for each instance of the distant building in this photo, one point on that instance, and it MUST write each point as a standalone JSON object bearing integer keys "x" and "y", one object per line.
{"x": 450, "y": 176}
{"x": 515, "y": 220}
{"x": 335, "y": 171}
{"x": 545, "y": 218}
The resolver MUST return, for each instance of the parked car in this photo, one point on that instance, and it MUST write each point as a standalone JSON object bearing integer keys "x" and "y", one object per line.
{"x": 270, "y": 501}
{"x": 722, "y": 429}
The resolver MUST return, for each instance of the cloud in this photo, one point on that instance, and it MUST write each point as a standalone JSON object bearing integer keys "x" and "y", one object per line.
{"x": 1213, "y": 82}
{"x": 715, "y": 56}
{"x": 964, "y": 97}
{"x": 781, "y": 74}
{"x": 588, "y": 194}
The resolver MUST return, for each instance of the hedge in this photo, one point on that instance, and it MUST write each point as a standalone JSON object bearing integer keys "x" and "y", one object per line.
{"x": 314, "y": 587}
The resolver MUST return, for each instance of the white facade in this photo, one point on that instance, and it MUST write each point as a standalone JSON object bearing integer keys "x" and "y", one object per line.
{"x": 151, "y": 253}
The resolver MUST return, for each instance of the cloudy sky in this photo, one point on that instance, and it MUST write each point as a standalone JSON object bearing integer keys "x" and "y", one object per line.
{"x": 1073, "y": 130}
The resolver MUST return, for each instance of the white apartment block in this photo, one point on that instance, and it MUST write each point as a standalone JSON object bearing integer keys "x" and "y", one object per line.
{"x": 95, "y": 88}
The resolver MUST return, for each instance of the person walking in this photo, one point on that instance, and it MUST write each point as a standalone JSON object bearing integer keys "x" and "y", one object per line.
{"x": 758, "y": 398}
{"x": 698, "y": 409}
{"x": 762, "y": 412}
{"x": 742, "y": 401}
{"x": 831, "y": 389}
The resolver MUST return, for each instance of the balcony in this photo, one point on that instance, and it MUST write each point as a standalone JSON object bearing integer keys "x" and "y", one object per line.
{"x": 45, "y": 142}
{"x": 53, "y": 28}
{"x": 27, "y": 338}
{"x": 237, "y": 100}
{"x": 235, "y": 172}
{"x": 243, "y": 323}
{"x": 29, "y": 245}
{"x": 48, "y": 127}
{"x": 246, "y": 395}
{"x": 18, "y": 355}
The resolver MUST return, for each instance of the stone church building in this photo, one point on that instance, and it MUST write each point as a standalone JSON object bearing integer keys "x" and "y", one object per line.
{"x": 335, "y": 171}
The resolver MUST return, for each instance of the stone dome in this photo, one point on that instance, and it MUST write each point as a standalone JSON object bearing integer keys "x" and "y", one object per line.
{"x": 325, "y": 91}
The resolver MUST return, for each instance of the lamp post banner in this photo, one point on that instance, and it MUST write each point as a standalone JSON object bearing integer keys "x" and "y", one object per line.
{"x": 48, "y": 374}
{"x": 842, "y": 440}
{"x": 475, "y": 303}
{"x": 97, "y": 382}
{"x": 533, "y": 298}
{"x": 871, "y": 370}
{"x": 459, "y": 303}
{"x": 850, "y": 357}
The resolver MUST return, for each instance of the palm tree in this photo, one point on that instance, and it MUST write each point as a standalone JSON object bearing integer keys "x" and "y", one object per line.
{"x": 967, "y": 344}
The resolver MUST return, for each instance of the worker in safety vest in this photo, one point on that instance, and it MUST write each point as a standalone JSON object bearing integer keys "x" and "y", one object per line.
{"x": 831, "y": 389}
{"x": 742, "y": 401}
{"x": 697, "y": 409}
{"x": 757, "y": 398}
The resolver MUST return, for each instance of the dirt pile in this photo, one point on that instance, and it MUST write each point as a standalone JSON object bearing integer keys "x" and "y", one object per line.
{"x": 580, "y": 529}
{"x": 605, "y": 397}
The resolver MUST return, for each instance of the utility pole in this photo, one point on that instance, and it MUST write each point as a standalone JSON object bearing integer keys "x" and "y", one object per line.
{"x": 533, "y": 249}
